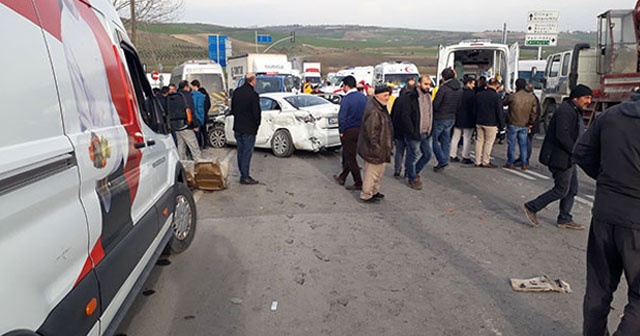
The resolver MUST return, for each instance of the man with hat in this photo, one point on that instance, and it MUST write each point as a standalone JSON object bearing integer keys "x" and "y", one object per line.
{"x": 564, "y": 130}
{"x": 374, "y": 143}
{"x": 349, "y": 119}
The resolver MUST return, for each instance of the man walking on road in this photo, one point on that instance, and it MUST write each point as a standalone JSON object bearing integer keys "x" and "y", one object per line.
{"x": 445, "y": 105}
{"x": 522, "y": 115}
{"x": 245, "y": 108}
{"x": 565, "y": 128}
{"x": 375, "y": 143}
{"x": 349, "y": 119}
{"x": 610, "y": 153}
{"x": 413, "y": 114}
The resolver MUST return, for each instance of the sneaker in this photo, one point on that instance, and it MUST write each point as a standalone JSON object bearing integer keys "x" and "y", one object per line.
{"x": 378, "y": 195}
{"x": 353, "y": 187}
{"x": 489, "y": 165}
{"x": 531, "y": 216}
{"x": 415, "y": 185}
{"x": 454, "y": 159}
{"x": 571, "y": 225}
{"x": 508, "y": 165}
{"x": 338, "y": 179}
{"x": 467, "y": 161}
{"x": 524, "y": 167}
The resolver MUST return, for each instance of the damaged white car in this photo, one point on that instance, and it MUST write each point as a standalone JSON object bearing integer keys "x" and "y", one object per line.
{"x": 294, "y": 121}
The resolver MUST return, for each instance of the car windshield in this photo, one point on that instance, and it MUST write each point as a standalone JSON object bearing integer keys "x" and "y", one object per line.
{"x": 537, "y": 80}
{"x": 300, "y": 101}
{"x": 335, "y": 81}
{"x": 268, "y": 84}
{"x": 399, "y": 79}
{"x": 209, "y": 81}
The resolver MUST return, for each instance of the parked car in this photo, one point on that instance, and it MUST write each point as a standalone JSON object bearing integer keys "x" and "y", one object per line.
{"x": 215, "y": 127}
{"x": 293, "y": 121}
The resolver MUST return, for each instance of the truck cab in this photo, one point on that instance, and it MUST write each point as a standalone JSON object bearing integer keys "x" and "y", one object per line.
{"x": 477, "y": 58}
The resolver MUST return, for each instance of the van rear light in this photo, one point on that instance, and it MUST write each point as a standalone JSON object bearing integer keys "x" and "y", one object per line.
{"x": 165, "y": 212}
{"x": 91, "y": 307}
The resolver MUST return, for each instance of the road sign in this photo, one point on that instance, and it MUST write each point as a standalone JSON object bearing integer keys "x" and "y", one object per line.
{"x": 218, "y": 49}
{"x": 155, "y": 75}
{"x": 263, "y": 39}
{"x": 543, "y": 16}
{"x": 541, "y": 40}
{"x": 535, "y": 27}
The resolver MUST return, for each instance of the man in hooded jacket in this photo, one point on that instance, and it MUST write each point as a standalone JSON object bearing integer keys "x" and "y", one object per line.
{"x": 445, "y": 106}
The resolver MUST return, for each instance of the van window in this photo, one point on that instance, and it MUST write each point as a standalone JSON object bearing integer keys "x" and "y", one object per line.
{"x": 148, "y": 106}
{"x": 555, "y": 66}
{"x": 210, "y": 81}
{"x": 566, "y": 60}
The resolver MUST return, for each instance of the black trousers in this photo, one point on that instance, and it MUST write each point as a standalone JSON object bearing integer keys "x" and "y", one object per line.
{"x": 565, "y": 188}
{"x": 611, "y": 250}
{"x": 349, "y": 152}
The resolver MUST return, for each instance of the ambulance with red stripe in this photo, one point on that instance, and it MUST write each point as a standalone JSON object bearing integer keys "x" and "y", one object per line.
{"x": 91, "y": 188}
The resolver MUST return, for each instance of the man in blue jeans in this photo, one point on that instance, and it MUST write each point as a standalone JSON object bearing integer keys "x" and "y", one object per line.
{"x": 445, "y": 105}
{"x": 522, "y": 116}
{"x": 245, "y": 108}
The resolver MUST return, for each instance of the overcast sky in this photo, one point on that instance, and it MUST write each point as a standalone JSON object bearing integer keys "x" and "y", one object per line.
{"x": 465, "y": 15}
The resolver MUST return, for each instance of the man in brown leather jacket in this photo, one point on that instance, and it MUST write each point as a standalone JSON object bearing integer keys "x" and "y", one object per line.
{"x": 375, "y": 143}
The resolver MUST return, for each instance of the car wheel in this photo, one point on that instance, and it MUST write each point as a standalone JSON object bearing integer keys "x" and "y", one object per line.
{"x": 217, "y": 138}
{"x": 281, "y": 144}
{"x": 548, "y": 113}
{"x": 184, "y": 220}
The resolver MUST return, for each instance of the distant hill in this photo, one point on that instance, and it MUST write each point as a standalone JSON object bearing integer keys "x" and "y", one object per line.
{"x": 336, "y": 46}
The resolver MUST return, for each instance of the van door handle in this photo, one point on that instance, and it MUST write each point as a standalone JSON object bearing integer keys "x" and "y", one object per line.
{"x": 139, "y": 145}
{"x": 151, "y": 142}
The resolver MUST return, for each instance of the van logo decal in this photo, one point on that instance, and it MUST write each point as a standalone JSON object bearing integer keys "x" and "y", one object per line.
{"x": 99, "y": 151}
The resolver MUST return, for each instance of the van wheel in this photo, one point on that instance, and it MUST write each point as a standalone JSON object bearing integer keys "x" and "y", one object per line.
{"x": 184, "y": 220}
{"x": 217, "y": 138}
{"x": 281, "y": 144}
{"x": 548, "y": 113}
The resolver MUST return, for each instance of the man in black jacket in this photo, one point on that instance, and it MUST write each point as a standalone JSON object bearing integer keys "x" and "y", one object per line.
{"x": 565, "y": 128}
{"x": 489, "y": 120}
{"x": 245, "y": 108}
{"x": 445, "y": 105}
{"x": 610, "y": 153}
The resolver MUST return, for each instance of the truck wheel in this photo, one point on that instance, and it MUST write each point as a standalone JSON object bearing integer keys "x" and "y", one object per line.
{"x": 217, "y": 138}
{"x": 281, "y": 144}
{"x": 548, "y": 113}
{"x": 184, "y": 220}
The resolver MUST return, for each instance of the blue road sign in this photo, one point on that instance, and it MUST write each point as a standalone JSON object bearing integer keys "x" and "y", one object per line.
{"x": 217, "y": 49}
{"x": 263, "y": 39}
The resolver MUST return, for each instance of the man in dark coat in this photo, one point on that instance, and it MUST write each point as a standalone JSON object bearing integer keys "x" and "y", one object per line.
{"x": 610, "y": 153}
{"x": 565, "y": 128}
{"x": 245, "y": 108}
{"x": 445, "y": 106}
{"x": 489, "y": 120}
{"x": 465, "y": 123}
{"x": 375, "y": 143}
{"x": 398, "y": 140}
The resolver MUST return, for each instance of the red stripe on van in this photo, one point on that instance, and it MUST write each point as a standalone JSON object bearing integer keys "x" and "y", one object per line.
{"x": 121, "y": 96}
{"x": 95, "y": 257}
{"x": 50, "y": 14}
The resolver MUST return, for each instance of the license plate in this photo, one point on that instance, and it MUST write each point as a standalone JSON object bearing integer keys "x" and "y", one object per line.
{"x": 333, "y": 121}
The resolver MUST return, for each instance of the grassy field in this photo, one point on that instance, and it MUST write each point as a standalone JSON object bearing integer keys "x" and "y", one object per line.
{"x": 335, "y": 46}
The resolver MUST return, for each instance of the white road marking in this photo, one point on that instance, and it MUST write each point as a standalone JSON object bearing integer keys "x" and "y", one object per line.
{"x": 540, "y": 137}
{"x": 196, "y": 195}
{"x": 590, "y": 197}
{"x": 512, "y": 171}
{"x": 583, "y": 201}
{"x": 538, "y": 175}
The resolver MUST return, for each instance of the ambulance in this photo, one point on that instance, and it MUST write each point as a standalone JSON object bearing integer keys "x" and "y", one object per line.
{"x": 211, "y": 77}
{"x": 91, "y": 188}
{"x": 395, "y": 74}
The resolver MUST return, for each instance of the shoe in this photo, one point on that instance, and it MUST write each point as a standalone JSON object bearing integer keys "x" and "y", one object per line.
{"x": 248, "y": 180}
{"x": 489, "y": 165}
{"x": 467, "y": 161}
{"x": 454, "y": 159}
{"x": 396, "y": 174}
{"x": 478, "y": 165}
{"x": 338, "y": 179}
{"x": 439, "y": 167}
{"x": 524, "y": 167}
{"x": 415, "y": 185}
{"x": 353, "y": 187}
{"x": 373, "y": 199}
{"x": 378, "y": 195}
{"x": 571, "y": 225}
{"x": 517, "y": 163}
{"x": 508, "y": 165}
{"x": 531, "y": 216}
{"x": 418, "y": 179}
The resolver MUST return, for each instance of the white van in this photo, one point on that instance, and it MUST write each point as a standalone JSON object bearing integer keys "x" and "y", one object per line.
{"x": 210, "y": 75}
{"x": 91, "y": 189}
{"x": 477, "y": 58}
{"x": 533, "y": 72}
{"x": 395, "y": 74}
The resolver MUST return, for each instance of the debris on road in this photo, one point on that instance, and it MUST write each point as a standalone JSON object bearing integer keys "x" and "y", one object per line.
{"x": 540, "y": 284}
{"x": 321, "y": 255}
{"x": 236, "y": 300}
{"x": 274, "y": 305}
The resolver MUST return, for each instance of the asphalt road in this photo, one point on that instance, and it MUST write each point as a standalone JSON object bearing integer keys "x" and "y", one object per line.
{"x": 431, "y": 262}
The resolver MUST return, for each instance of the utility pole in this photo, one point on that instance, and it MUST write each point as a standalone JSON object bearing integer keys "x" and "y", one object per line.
{"x": 133, "y": 21}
